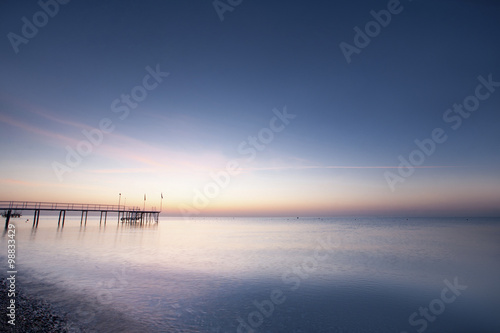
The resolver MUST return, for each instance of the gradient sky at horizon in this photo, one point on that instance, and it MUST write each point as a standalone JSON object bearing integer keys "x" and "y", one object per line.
{"x": 226, "y": 78}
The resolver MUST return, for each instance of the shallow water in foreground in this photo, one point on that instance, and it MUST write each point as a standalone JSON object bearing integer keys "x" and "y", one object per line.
{"x": 267, "y": 274}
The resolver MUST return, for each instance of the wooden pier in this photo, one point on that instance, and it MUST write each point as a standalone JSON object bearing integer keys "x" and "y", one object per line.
{"x": 124, "y": 214}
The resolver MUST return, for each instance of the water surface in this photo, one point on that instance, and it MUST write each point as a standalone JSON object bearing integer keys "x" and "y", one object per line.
{"x": 266, "y": 274}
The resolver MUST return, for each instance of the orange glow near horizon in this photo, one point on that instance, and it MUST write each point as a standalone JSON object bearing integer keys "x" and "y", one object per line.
{"x": 258, "y": 194}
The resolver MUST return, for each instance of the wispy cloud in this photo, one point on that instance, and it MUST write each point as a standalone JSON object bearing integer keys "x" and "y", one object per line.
{"x": 124, "y": 147}
{"x": 40, "y": 111}
{"x": 33, "y": 129}
{"x": 304, "y": 167}
{"x": 123, "y": 171}
{"x": 45, "y": 185}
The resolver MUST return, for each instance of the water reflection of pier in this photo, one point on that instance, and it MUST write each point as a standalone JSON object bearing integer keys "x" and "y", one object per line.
{"x": 125, "y": 214}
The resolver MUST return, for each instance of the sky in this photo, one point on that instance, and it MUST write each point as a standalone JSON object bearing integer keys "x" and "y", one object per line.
{"x": 323, "y": 108}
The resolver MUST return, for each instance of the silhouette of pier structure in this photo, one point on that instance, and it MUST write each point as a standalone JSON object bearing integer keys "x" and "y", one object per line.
{"x": 124, "y": 214}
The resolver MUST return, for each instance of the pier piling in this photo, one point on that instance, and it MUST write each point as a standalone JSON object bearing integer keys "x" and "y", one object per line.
{"x": 36, "y": 217}
{"x": 62, "y": 214}
{"x": 7, "y": 219}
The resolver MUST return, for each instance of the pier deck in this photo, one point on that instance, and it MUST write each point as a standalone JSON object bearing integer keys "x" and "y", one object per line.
{"x": 124, "y": 214}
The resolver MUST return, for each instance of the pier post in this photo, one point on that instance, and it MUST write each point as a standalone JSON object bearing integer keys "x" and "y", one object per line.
{"x": 35, "y": 215}
{"x": 62, "y": 216}
{"x": 59, "y": 221}
{"x": 7, "y": 219}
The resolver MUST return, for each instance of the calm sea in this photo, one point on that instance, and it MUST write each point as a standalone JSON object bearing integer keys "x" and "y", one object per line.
{"x": 266, "y": 274}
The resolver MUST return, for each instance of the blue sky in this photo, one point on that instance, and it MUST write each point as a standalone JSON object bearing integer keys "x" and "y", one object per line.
{"x": 225, "y": 78}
